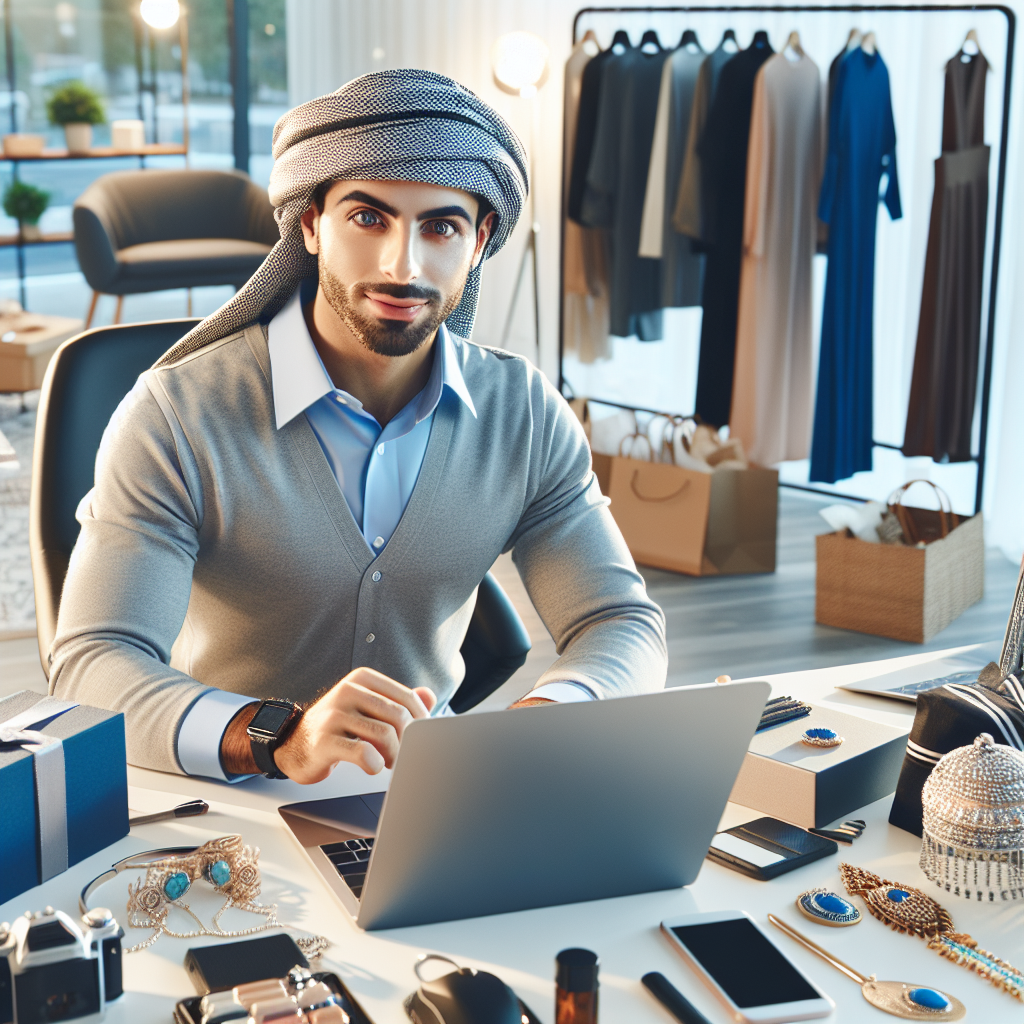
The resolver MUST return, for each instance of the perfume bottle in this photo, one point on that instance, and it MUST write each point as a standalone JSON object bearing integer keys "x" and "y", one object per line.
{"x": 576, "y": 987}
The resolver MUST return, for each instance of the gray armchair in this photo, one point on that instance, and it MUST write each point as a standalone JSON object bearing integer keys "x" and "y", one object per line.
{"x": 145, "y": 231}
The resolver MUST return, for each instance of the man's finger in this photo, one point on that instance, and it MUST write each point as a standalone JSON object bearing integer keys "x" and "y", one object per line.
{"x": 353, "y": 749}
{"x": 426, "y": 695}
{"x": 376, "y": 681}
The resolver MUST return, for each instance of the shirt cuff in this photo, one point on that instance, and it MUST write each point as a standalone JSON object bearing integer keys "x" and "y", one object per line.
{"x": 202, "y": 730}
{"x": 563, "y": 693}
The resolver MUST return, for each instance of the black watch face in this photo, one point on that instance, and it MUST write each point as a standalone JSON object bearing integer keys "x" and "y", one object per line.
{"x": 269, "y": 719}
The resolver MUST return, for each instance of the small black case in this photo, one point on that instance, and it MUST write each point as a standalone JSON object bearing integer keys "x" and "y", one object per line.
{"x": 220, "y": 967}
{"x": 796, "y": 845}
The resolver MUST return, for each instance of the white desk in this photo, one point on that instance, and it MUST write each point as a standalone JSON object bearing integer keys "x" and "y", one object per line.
{"x": 521, "y": 947}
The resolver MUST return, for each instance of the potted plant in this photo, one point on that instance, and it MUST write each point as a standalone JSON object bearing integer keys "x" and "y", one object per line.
{"x": 26, "y": 204}
{"x": 77, "y": 107}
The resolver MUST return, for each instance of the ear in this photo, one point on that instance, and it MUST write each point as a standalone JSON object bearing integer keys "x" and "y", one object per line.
{"x": 310, "y": 221}
{"x": 483, "y": 235}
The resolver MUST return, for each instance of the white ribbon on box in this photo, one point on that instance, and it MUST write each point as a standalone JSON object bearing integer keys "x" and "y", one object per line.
{"x": 48, "y": 767}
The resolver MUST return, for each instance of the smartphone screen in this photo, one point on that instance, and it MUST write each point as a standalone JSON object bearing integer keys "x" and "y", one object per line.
{"x": 745, "y": 965}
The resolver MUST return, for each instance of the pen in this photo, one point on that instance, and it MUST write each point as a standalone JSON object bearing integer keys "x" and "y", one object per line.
{"x": 181, "y": 811}
{"x": 672, "y": 999}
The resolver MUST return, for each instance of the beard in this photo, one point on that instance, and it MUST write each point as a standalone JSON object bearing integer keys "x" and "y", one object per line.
{"x": 387, "y": 337}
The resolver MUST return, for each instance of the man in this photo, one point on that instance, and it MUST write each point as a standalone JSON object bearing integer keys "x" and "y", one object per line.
{"x": 300, "y": 499}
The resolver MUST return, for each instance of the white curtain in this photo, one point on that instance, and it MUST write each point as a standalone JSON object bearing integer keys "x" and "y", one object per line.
{"x": 331, "y": 42}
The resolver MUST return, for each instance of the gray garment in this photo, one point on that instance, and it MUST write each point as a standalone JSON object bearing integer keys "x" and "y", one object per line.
{"x": 616, "y": 182}
{"x": 217, "y": 551}
{"x": 682, "y": 270}
{"x": 692, "y": 215}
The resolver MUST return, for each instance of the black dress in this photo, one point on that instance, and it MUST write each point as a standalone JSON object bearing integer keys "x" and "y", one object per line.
{"x": 941, "y": 410}
{"x": 616, "y": 183}
{"x": 723, "y": 153}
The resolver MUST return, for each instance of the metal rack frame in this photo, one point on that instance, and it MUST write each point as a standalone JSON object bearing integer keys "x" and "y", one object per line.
{"x": 997, "y": 232}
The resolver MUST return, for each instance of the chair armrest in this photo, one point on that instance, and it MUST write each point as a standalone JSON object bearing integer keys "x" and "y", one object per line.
{"x": 97, "y": 257}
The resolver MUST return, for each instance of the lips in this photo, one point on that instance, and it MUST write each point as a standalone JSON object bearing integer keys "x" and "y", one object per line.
{"x": 387, "y": 307}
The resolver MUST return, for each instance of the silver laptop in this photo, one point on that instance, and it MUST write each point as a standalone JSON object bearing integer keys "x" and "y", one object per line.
{"x": 508, "y": 810}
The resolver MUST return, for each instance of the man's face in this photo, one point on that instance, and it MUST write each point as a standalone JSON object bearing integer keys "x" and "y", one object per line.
{"x": 394, "y": 256}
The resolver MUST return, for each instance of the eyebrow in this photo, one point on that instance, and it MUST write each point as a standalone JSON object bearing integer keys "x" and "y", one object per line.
{"x": 379, "y": 204}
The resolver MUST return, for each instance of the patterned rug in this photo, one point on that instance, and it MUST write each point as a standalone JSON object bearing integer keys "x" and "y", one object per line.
{"x": 17, "y": 608}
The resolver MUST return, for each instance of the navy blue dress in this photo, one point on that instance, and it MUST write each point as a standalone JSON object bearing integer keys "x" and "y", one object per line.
{"x": 861, "y": 149}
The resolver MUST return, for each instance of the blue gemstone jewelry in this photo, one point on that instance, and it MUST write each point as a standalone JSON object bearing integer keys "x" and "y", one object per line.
{"x": 898, "y": 998}
{"x": 913, "y": 912}
{"x": 825, "y": 907}
{"x": 218, "y": 873}
{"x": 176, "y": 885}
{"x": 821, "y": 737}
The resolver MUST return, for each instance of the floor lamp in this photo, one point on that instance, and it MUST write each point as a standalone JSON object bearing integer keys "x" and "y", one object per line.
{"x": 161, "y": 14}
{"x": 520, "y": 64}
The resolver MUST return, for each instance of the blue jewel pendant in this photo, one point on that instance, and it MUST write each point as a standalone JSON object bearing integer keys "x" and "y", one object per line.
{"x": 826, "y": 907}
{"x": 928, "y": 999}
{"x": 218, "y": 873}
{"x": 176, "y": 885}
{"x": 897, "y": 896}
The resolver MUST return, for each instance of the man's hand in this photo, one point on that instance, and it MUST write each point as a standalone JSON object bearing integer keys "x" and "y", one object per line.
{"x": 361, "y": 719}
{"x": 529, "y": 702}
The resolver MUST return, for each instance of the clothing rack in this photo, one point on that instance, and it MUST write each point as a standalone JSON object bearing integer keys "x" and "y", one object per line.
{"x": 854, "y": 9}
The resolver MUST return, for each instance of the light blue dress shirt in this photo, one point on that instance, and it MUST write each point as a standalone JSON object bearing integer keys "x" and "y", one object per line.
{"x": 376, "y": 469}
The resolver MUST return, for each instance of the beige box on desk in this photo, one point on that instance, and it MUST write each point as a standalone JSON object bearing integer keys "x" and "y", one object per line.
{"x": 812, "y": 786}
{"x": 27, "y": 342}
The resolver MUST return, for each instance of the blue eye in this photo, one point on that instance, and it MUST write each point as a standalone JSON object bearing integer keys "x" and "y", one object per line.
{"x": 366, "y": 218}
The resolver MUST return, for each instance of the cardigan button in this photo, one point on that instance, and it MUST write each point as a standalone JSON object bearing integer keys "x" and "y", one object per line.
{"x": 376, "y": 577}
{"x": 370, "y": 638}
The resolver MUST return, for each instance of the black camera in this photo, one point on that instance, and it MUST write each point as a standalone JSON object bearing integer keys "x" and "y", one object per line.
{"x": 52, "y": 969}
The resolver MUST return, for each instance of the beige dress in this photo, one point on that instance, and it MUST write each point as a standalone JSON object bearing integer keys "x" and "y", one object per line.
{"x": 773, "y": 385}
{"x": 585, "y": 302}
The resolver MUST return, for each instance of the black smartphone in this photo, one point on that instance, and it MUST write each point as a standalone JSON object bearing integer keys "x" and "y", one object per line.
{"x": 218, "y": 968}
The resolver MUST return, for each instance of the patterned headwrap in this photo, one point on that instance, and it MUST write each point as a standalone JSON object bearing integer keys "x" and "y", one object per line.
{"x": 402, "y": 125}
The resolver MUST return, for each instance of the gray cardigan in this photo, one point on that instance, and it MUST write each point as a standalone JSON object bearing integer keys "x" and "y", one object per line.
{"x": 219, "y": 551}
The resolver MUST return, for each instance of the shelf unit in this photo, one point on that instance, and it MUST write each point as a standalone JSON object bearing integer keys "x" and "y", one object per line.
{"x": 95, "y": 153}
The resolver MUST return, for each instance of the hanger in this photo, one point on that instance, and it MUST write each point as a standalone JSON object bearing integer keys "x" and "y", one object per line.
{"x": 793, "y": 47}
{"x": 853, "y": 39}
{"x": 690, "y": 40}
{"x": 650, "y": 38}
{"x": 728, "y": 43}
{"x": 620, "y": 40}
{"x": 867, "y": 44}
{"x": 760, "y": 39}
{"x": 590, "y": 44}
{"x": 970, "y": 48}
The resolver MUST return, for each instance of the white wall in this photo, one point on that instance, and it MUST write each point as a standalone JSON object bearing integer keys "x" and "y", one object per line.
{"x": 332, "y": 41}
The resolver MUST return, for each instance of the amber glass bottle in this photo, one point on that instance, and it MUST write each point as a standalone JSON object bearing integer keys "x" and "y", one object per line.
{"x": 576, "y": 987}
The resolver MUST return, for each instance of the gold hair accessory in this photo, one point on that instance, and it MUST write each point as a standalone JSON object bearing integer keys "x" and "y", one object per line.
{"x": 226, "y": 864}
{"x": 910, "y": 911}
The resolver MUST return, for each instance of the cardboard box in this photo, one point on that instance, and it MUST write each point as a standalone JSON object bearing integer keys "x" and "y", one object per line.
{"x": 906, "y": 593}
{"x": 27, "y": 341}
{"x": 95, "y": 802}
{"x": 702, "y": 524}
{"x": 812, "y": 786}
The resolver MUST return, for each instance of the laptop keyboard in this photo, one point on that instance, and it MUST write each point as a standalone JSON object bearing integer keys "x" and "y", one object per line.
{"x": 350, "y": 860}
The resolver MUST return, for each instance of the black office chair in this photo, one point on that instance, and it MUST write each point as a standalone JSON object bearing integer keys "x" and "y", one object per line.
{"x": 87, "y": 378}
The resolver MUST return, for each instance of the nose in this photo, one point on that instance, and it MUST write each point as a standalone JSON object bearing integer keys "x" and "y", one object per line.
{"x": 399, "y": 262}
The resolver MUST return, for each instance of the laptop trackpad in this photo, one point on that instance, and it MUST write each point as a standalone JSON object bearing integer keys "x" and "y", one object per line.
{"x": 355, "y": 814}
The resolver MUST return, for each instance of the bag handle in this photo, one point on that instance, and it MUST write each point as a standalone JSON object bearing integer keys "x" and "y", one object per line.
{"x": 667, "y": 497}
{"x": 898, "y": 509}
{"x": 637, "y": 435}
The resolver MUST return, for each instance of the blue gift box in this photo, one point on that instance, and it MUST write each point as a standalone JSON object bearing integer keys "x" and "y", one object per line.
{"x": 33, "y": 811}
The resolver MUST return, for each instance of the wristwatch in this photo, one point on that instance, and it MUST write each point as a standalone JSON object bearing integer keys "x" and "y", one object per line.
{"x": 269, "y": 728}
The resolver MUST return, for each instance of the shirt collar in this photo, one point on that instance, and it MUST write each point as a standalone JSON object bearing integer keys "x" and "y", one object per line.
{"x": 299, "y": 377}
